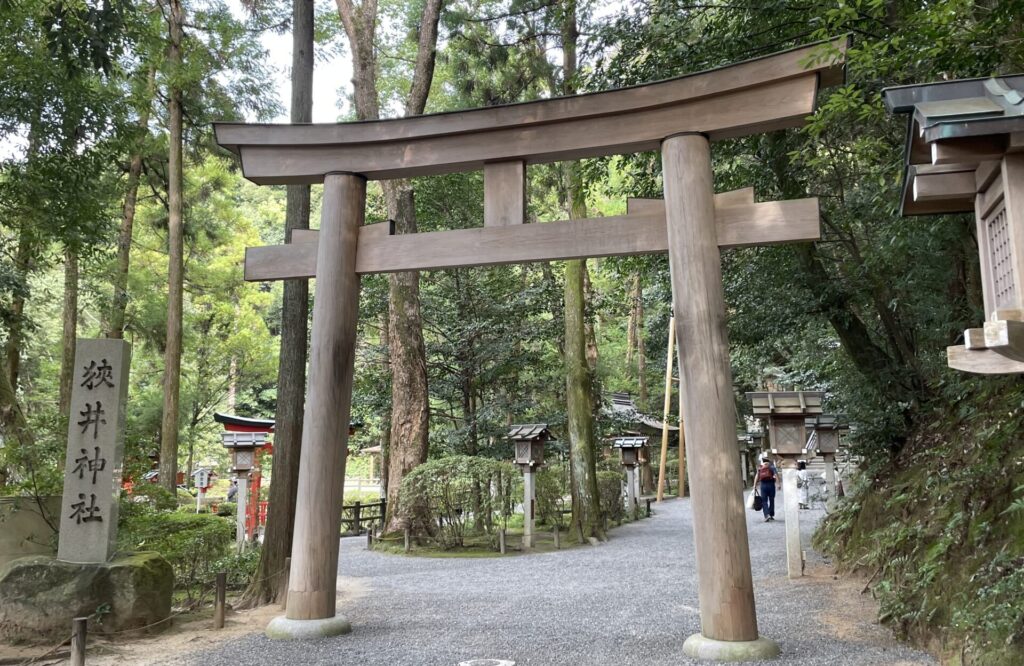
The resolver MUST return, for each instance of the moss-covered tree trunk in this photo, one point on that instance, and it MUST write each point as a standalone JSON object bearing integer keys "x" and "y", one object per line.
{"x": 70, "y": 330}
{"x": 175, "y": 258}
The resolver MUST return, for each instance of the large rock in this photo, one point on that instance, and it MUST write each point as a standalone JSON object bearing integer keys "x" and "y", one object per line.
{"x": 40, "y": 595}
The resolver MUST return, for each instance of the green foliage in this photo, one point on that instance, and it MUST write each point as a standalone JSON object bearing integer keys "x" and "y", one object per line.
{"x": 155, "y": 495}
{"x": 227, "y": 509}
{"x": 552, "y": 488}
{"x": 193, "y": 543}
{"x": 451, "y": 496}
{"x": 609, "y": 488}
{"x": 939, "y": 529}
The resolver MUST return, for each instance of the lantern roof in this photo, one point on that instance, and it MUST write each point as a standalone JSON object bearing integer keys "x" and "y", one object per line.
{"x": 234, "y": 423}
{"x": 786, "y": 403}
{"x": 529, "y": 432}
{"x": 952, "y": 127}
{"x": 629, "y": 442}
{"x": 826, "y": 422}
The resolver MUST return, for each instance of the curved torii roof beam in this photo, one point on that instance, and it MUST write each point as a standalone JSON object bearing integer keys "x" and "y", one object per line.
{"x": 751, "y": 97}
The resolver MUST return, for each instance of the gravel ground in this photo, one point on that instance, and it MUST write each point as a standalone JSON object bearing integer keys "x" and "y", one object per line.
{"x": 631, "y": 601}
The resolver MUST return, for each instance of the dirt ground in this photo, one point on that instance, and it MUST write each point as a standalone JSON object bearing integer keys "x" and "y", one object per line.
{"x": 188, "y": 633}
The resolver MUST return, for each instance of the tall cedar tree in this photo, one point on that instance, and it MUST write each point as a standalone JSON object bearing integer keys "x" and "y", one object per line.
{"x": 291, "y": 378}
{"x": 408, "y": 438}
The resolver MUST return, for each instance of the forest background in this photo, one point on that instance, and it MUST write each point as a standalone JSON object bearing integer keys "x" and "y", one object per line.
{"x": 103, "y": 106}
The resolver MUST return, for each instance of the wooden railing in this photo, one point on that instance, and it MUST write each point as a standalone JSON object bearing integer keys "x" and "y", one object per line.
{"x": 358, "y": 515}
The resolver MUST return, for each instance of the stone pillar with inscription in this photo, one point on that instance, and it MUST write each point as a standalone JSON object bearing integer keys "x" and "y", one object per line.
{"x": 95, "y": 453}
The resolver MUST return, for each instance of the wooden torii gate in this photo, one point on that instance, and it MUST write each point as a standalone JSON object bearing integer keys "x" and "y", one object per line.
{"x": 678, "y": 116}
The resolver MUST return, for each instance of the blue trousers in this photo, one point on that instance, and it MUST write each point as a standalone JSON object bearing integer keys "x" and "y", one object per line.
{"x": 768, "y": 498}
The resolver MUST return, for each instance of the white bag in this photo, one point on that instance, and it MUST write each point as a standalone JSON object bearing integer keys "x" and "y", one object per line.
{"x": 750, "y": 498}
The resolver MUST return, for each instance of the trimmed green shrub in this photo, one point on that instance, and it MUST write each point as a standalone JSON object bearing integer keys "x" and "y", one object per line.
{"x": 553, "y": 494}
{"x": 193, "y": 543}
{"x": 609, "y": 489}
{"x": 444, "y": 497}
{"x": 227, "y": 509}
{"x": 157, "y": 497}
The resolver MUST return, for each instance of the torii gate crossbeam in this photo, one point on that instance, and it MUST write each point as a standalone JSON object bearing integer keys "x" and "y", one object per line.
{"x": 681, "y": 116}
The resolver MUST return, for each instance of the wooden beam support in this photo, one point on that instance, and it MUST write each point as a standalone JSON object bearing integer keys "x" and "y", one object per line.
{"x": 982, "y": 362}
{"x": 314, "y": 563}
{"x": 724, "y": 580}
{"x": 1006, "y": 338}
{"x": 751, "y": 224}
{"x": 741, "y": 197}
{"x": 971, "y": 150}
{"x": 953, "y": 185}
{"x": 504, "y": 193}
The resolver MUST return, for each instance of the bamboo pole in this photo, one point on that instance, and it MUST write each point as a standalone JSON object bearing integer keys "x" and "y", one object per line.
{"x": 682, "y": 448}
{"x": 663, "y": 463}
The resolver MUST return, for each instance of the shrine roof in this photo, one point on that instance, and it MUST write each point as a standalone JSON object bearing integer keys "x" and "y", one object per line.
{"x": 767, "y": 93}
{"x": 952, "y": 128}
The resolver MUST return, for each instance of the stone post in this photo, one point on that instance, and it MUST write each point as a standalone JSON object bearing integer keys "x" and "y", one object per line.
{"x": 529, "y": 496}
{"x": 791, "y": 507}
{"x": 830, "y": 480}
{"x": 95, "y": 451}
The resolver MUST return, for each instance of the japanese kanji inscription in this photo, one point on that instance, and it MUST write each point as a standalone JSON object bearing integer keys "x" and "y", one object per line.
{"x": 95, "y": 453}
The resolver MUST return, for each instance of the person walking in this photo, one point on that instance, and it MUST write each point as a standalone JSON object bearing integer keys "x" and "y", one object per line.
{"x": 767, "y": 477}
{"x": 802, "y": 483}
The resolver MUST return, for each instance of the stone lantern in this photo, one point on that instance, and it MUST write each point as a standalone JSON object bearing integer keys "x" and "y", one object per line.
{"x": 826, "y": 430}
{"x": 529, "y": 440}
{"x": 243, "y": 447}
{"x": 633, "y": 452}
{"x": 787, "y": 413}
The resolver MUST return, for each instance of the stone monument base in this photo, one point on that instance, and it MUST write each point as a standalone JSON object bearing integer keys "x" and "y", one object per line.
{"x": 40, "y": 595}
{"x": 699, "y": 647}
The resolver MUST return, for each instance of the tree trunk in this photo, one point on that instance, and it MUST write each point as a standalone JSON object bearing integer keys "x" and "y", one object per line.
{"x": 586, "y": 508}
{"x": 409, "y": 398}
{"x": 12, "y": 352}
{"x": 407, "y": 445}
{"x": 586, "y": 519}
{"x": 70, "y": 318}
{"x": 291, "y": 377}
{"x": 641, "y": 348}
{"x": 119, "y": 303}
{"x": 175, "y": 261}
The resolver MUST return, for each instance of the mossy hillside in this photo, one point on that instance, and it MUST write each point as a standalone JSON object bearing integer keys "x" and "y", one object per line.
{"x": 940, "y": 530}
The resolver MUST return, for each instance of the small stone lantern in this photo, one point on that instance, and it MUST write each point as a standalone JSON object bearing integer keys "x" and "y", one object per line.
{"x": 529, "y": 440}
{"x": 787, "y": 413}
{"x": 243, "y": 447}
{"x": 632, "y": 450}
{"x": 826, "y": 429}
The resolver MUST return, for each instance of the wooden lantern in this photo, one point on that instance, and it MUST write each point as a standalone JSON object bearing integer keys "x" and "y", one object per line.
{"x": 631, "y": 449}
{"x": 786, "y": 412}
{"x": 965, "y": 153}
{"x": 243, "y": 447}
{"x": 826, "y": 428}
{"x": 529, "y": 440}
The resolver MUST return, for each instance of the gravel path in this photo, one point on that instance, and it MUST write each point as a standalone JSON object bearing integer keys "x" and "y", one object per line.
{"x": 631, "y": 601}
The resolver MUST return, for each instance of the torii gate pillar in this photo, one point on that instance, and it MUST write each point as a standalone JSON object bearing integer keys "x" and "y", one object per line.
{"x": 725, "y": 585}
{"x": 312, "y": 581}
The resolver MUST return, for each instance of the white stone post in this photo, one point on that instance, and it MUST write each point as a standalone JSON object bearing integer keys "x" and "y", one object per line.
{"x": 529, "y": 496}
{"x": 631, "y": 502}
{"x": 791, "y": 505}
{"x": 242, "y": 498}
{"x": 830, "y": 480}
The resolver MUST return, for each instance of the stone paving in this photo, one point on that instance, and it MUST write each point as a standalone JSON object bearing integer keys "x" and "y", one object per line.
{"x": 631, "y": 601}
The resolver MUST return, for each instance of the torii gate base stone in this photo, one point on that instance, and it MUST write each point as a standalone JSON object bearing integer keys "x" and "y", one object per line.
{"x": 681, "y": 116}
